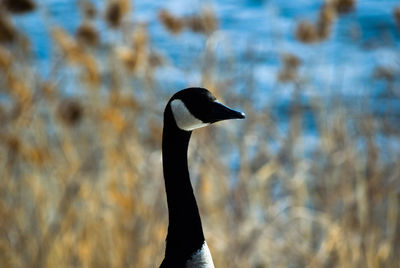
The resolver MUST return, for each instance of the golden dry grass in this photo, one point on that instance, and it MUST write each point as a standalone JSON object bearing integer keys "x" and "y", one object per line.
{"x": 81, "y": 181}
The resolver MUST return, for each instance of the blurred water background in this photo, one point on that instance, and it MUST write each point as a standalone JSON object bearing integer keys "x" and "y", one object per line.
{"x": 360, "y": 40}
{"x": 255, "y": 34}
{"x": 310, "y": 179}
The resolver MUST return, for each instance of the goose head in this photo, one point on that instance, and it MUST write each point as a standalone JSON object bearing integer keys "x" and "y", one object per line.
{"x": 193, "y": 108}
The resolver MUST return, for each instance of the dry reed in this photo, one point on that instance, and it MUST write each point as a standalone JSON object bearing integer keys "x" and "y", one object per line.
{"x": 81, "y": 181}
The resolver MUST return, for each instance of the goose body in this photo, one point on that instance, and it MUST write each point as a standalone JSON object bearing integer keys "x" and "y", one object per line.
{"x": 187, "y": 110}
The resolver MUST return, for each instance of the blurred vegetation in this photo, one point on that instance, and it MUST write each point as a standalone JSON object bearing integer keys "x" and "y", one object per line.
{"x": 80, "y": 174}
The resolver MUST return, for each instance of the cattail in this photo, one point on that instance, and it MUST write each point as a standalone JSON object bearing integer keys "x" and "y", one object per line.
{"x": 173, "y": 24}
{"x": 7, "y": 31}
{"x": 87, "y": 34}
{"x": 18, "y": 6}
{"x": 306, "y": 32}
{"x": 70, "y": 112}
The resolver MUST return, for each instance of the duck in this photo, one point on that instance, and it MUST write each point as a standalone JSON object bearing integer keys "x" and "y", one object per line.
{"x": 187, "y": 110}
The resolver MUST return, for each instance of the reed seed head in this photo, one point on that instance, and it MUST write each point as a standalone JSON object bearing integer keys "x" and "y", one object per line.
{"x": 68, "y": 45}
{"x": 384, "y": 73}
{"x": 70, "y": 112}
{"x": 173, "y": 24}
{"x": 195, "y": 23}
{"x": 209, "y": 20}
{"x": 289, "y": 71}
{"x": 89, "y": 10}
{"x": 345, "y": 6}
{"x": 140, "y": 38}
{"x": 48, "y": 89}
{"x": 306, "y": 32}
{"x": 114, "y": 14}
{"x": 206, "y": 22}
{"x": 128, "y": 57}
{"x": 327, "y": 14}
{"x": 19, "y": 6}
{"x": 37, "y": 156}
{"x": 291, "y": 61}
{"x": 91, "y": 74}
{"x": 87, "y": 34}
{"x": 396, "y": 13}
{"x": 13, "y": 143}
{"x": 7, "y": 30}
{"x": 5, "y": 59}
{"x": 156, "y": 59}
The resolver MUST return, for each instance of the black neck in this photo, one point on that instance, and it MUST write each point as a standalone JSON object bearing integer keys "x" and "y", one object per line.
{"x": 185, "y": 233}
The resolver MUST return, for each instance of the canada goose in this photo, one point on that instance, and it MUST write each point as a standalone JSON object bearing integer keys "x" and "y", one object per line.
{"x": 187, "y": 110}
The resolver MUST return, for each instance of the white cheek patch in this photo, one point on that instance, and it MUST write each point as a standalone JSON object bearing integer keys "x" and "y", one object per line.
{"x": 183, "y": 118}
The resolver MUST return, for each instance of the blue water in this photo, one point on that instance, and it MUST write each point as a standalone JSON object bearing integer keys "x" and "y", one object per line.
{"x": 343, "y": 63}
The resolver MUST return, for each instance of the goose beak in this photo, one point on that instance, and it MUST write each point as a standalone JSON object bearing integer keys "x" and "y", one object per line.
{"x": 221, "y": 112}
